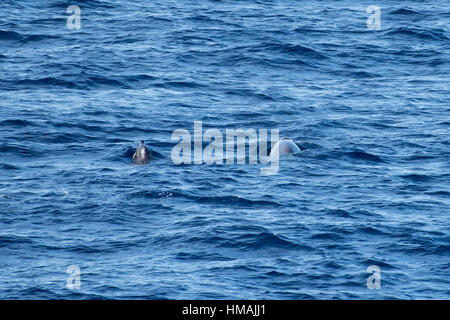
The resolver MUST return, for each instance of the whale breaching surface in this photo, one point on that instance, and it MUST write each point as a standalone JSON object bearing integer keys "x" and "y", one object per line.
{"x": 284, "y": 146}
{"x": 142, "y": 154}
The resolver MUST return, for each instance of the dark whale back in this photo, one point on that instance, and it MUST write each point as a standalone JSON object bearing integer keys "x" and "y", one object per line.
{"x": 142, "y": 154}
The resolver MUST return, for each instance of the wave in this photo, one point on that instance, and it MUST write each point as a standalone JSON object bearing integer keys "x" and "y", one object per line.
{"x": 180, "y": 84}
{"x": 37, "y": 37}
{"x": 6, "y": 35}
{"x": 67, "y": 137}
{"x": 94, "y": 4}
{"x": 91, "y": 82}
{"x": 16, "y": 123}
{"x": 7, "y": 166}
{"x": 139, "y": 78}
{"x": 14, "y": 240}
{"x": 309, "y": 30}
{"x": 249, "y": 241}
{"x": 326, "y": 236}
{"x": 250, "y": 94}
{"x": 19, "y": 150}
{"x": 95, "y": 81}
{"x": 404, "y": 11}
{"x": 44, "y": 83}
{"x": 362, "y": 155}
{"x": 77, "y": 82}
{"x": 372, "y": 231}
{"x": 229, "y": 200}
{"x": 339, "y": 213}
{"x": 235, "y": 201}
{"x": 416, "y": 177}
{"x": 289, "y": 49}
{"x": 264, "y": 240}
{"x": 81, "y": 125}
{"x": 354, "y": 154}
{"x": 35, "y": 292}
{"x": 439, "y": 193}
{"x": 424, "y": 34}
{"x": 201, "y": 256}
{"x": 49, "y": 21}
{"x": 356, "y": 74}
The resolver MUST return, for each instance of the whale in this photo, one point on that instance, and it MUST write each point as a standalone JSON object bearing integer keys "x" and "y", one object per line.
{"x": 142, "y": 154}
{"x": 284, "y": 146}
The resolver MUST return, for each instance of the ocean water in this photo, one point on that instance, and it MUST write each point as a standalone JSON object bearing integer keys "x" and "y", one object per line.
{"x": 370, "y": 108}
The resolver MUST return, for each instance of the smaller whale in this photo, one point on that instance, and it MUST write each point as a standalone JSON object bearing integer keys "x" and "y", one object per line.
{"x": 142, "y": 154}
{"x": 284, "y": 146}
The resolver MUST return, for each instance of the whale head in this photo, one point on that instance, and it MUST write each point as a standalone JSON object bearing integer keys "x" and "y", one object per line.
{"x": 142, "y": 154}
{"x": 284, "y": 146}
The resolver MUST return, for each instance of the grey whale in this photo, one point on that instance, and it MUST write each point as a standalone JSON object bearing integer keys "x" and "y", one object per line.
{"x": 142, "y": 154}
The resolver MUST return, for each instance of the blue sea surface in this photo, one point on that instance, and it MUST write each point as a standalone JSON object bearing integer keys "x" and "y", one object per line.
{"x": 369, "y": 107}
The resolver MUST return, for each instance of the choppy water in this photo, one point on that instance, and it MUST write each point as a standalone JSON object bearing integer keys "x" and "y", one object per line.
{"x": 370, "y": 107}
